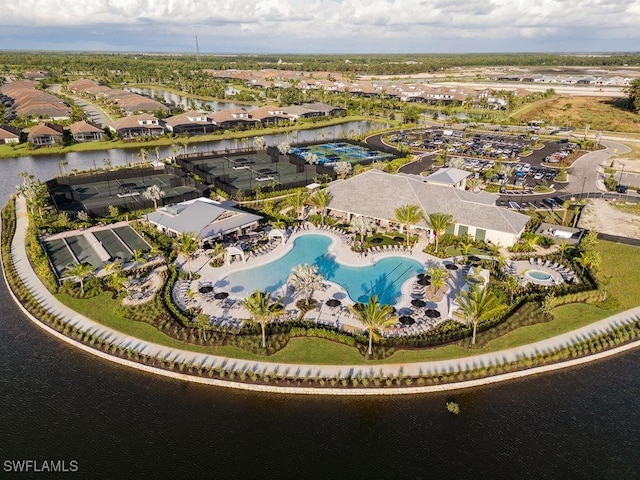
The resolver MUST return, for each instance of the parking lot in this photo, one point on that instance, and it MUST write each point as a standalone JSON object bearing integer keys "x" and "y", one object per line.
{"x": 506, "y": 160}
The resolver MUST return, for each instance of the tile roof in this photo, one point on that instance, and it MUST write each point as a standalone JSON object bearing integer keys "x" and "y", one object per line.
{"x": 202, "y": 216}
{"x": 376, "y": 194}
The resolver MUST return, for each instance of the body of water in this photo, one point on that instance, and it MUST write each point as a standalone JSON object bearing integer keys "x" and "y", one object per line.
{"x": 58, "y": 403}
{"x": 48, "y": 166}
{"x": 186, "y": 103}
{"x": 383, "y": 278}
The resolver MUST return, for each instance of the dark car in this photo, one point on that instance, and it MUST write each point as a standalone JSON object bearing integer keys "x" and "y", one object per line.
{"x": 621, "y": 189}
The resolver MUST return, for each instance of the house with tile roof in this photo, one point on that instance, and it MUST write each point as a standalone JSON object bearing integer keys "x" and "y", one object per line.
{"x": 84, "y": 131}
{"x": 143, "y": 125}
{"x": 9, "y": 135}
{"x": 46, "y": 134}
{"x": 190, "y": 123}
{"x": 375, "y": 194}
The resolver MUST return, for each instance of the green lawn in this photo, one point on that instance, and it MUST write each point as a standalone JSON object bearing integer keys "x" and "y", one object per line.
{"x": 620, "y": 262}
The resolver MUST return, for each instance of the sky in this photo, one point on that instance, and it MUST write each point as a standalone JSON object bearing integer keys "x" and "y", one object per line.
{"x": 322, "y": 26}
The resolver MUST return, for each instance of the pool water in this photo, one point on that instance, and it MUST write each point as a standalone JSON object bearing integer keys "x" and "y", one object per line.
{"x": 538, "y": 275}
{"x": 384, "y": 278}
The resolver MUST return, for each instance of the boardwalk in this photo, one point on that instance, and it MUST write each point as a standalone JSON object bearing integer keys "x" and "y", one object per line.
{"x": 328, "y": 371}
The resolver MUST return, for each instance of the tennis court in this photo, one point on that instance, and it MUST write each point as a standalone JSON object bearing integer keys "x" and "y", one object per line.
{"x": 97, "y": 193}
{"x": 83, "y": 251}
{"x": 113, "y": 245}
{"x": 96, "y": 246}
{"x": 330, "y": 153}
{"x": 60, "y": 255}
{"x": 129, "y": 236}
{"x": 245, "y": 172}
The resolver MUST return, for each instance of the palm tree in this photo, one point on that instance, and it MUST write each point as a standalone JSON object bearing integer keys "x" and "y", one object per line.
{"x": 362, "y": 226}
{"x": 320, "y": 200}
{"x": 589, "y": 259}
{"x": 143, "y": 155}
{"x": 187, "y": 245}
{"x": 439, "y": 222}
{"x": 438, "y": 279}
{"x": 263, "y": 309}
{"x": 259, "y": 143}
{"x": 80, "y": 271}
{"x": 477, "y": 304}
{"x": 374, "y": 316}
{"x": 473, "y": 184}
{"x": 465, "y": 244}
{"x": 408, "y": 215}
{"x": 117, "y": 280}
{"x": 154, "y": 193}
{"x": 563, "y": 249}
{"x": 138, "y": 257}
{"x": 298, "y": 201}
{"x": 306, "y": 279}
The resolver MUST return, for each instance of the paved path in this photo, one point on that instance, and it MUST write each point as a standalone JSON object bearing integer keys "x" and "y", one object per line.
{"x": 40, "y": 292}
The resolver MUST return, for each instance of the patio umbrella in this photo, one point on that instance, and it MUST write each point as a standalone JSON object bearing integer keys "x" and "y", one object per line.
{"x": 333, "y": 302}
{"x": 205, "y": 289}
{"x": 424, "y": 282}
{"x": 431, "y": 313}
{"x": 416, "y": 302}
{"x": 220, "y": 295}
{"x": 406, "y": 320}
{"x": 451, "y": 266}
{"x": 474, "y": 259}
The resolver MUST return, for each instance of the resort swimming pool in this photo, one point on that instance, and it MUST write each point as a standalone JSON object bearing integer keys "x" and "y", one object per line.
{"x": 384, "y": 278}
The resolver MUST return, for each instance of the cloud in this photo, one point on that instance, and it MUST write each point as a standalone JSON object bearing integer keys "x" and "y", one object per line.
{"x": 310, "y": 25}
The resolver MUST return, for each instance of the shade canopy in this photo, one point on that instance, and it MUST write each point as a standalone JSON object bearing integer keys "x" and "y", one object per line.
{"x": 220, "y": 295}
{"x": 406, "y": 320}
{"x": 416, "y": 302}
{"x": 334, "y": 302}
{"x": 451, "y": 266}
{"x": 432, "y": 313}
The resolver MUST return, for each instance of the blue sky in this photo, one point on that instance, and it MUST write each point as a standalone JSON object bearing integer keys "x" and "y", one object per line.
{"x": 322, "y": 26}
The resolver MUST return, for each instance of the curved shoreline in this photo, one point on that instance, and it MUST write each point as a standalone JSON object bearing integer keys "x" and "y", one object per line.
{"x": 240, "y": 366}
{"x": 254, "y": 387}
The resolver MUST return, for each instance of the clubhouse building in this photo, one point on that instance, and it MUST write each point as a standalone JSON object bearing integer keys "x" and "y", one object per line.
{"x": 375, "y": 194}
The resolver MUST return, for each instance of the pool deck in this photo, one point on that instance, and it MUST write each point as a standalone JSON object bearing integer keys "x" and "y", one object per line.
{"x": 339, "y": 316}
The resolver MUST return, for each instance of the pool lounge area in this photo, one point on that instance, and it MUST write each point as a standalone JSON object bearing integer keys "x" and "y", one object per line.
{"x": 349, "y": 277}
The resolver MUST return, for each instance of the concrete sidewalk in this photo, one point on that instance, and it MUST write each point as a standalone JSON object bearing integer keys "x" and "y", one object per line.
{"x": 40, "y": 292}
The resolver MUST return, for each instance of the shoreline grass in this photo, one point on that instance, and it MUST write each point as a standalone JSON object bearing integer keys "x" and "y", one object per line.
{"x": 25, "y": 150}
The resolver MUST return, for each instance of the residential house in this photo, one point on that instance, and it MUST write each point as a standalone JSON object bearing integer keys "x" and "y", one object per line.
{"x": 9, "y": 135}
{"x": 83, "y": 131}
{"x": 233, "y": 118}
{"x": 46, "y": 134}
{"x": 190, "y": 123}
{"x": 143, "y": 125}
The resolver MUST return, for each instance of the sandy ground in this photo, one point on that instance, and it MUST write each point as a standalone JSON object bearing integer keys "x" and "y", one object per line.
{"x": 600, "y": 216}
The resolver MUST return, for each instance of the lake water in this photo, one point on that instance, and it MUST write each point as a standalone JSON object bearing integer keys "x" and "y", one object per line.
{"x": 187, "y": 103}
{"x": 57, "y": 403}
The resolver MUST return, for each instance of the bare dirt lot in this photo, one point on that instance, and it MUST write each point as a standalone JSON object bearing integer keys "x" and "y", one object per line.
{"x": 600, "y": 216}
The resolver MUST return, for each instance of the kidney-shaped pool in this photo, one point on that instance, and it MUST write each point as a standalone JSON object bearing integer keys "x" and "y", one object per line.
{"x": 383, "y": 278}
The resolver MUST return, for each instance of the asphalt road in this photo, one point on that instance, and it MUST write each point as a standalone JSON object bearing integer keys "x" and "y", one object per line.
{"x": 94, "y": 113}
